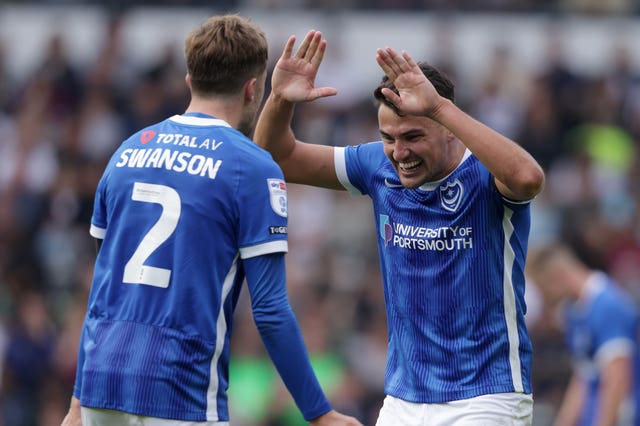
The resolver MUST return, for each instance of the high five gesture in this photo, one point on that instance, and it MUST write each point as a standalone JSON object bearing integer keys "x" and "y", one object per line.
{"x": 294, "y": 75}
{"x": 416, "y": 95}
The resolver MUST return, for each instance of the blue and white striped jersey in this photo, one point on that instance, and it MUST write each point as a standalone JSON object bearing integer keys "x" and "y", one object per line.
{"x": 600, "y": 326}
{"x": 452, "y": 254}
{"x": 183, "y": 208}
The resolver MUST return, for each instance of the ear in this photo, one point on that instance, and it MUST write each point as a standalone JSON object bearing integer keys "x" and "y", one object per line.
{"x": 187, "y": 80}
{"x": 250, "y": 90}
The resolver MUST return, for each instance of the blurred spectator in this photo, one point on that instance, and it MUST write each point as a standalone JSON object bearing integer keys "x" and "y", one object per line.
{"x": 28, "y": 162}
{"x": 540, "y": 130}
{"x": 565, "y": 86}
{"x": 621, "y": 81}
{"x": 28, "y": 361}
{"x": 112, "y": 69}
{"x": 99, "y": 127}
{"x": 597, "y": 7}
{"x": 502, "y": 90}
{"x": 5, "y": 79}
{"x": 58, "y": 73}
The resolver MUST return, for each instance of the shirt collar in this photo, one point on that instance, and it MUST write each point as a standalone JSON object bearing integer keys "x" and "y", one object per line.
{"x": 430, "y": 186}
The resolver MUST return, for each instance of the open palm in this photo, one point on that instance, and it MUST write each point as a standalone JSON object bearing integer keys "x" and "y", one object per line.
{"x": 294, "y": 75}
{"x": 416, "y": 95}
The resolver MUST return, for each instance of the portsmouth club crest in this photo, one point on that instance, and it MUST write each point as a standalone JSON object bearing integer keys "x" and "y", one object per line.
{"x": 451, "y": 194}
{"x": 278, "y": 196}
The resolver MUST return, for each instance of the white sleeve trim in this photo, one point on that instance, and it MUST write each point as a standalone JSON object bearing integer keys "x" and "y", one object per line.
{"x": 339, "y": 159}
{"x": 264, "y": 248}
{"x": 614, "y": 348}
{"x": 97, "y": 232}
{"x": 518, "y": 202}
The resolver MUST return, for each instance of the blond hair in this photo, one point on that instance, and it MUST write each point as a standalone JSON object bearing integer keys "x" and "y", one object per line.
{"x": 223, "y": 53}
{"x": 542, "y": 257}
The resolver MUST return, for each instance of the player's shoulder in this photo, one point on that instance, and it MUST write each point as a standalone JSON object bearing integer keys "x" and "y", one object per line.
{"x": 613, "y": 301}
{"x": 370, "y": 153}
{"x": 374, "y": 148}
{"x": 145, "y": 135}
{"x": 250, "y": 159}
{"x": 251, "y": 152}
{"x": 470, "y": 162}
{"x": 616, "y": 296}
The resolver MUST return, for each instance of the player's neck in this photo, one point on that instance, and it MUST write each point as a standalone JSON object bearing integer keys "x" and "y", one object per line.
{"x": 579, "y": 283}
{"x": 224, "y": 109}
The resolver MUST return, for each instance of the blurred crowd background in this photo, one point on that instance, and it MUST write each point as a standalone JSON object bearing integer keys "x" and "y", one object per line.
{"x": 570, "y": 6}
{"x": 61, "y": 119}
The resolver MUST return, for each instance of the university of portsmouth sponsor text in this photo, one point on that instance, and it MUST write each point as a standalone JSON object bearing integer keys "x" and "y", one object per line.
{"x": 438, "y": 239}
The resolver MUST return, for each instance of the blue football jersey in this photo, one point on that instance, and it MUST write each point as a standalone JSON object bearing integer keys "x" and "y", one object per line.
{"x": 452, "y": 255}
{"x": 602, "y": 325}
{"x": 179, "y": 207}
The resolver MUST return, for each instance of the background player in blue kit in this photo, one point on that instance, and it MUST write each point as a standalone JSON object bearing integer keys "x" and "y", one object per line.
{"x": 601, "y": 326}
{"x": 450, "y": 199}
{"x": 185, "y": 209}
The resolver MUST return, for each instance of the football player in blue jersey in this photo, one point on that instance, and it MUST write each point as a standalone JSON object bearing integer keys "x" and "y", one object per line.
{"x": 451, "y": 203}
{"x": 185, "y": 210}
{"x": 601, "y": 328}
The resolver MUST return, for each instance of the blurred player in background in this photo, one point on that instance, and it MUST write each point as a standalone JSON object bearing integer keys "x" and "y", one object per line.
{"x": 185, "y": 209}
{"x": 601, "y": 326}
{"x": 451, "y": 201}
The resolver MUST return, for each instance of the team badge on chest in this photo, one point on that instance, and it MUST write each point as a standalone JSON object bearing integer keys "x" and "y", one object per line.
{"x": 451, "y": 194}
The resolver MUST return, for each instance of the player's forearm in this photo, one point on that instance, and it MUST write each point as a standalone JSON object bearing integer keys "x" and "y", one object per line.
{"x": 614, "y": 388}
{"x": 284, "y": 343}
{"x": 509, "y": 163}
{"x": 608, "y": 407}
{"x": 569, "y": 411}
{"x": 303, "y": 163}
{"x": 273, "y": 130}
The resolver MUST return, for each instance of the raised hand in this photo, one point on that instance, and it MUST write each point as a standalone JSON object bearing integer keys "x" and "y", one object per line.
{"x": 294, "y": 75}
{"x": 416, "y": 95}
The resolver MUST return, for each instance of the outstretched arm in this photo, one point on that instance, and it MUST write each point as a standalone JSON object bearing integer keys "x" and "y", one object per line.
{"x": 293, "y": 81}
{"x": 517, "y": 175}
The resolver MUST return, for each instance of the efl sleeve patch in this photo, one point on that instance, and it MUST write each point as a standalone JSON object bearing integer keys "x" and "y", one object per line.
{"x": 278, "y": 196}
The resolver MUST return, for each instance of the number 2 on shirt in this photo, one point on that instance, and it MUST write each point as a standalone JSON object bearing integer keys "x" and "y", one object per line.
{"x": 135, "y": 271}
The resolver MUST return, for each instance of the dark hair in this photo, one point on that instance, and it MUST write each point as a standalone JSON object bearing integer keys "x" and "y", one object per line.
{"x": 224, "y": 53}
{"x": 440, "y": 81}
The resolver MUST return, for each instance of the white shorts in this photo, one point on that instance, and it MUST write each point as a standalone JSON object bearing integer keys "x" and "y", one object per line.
{"x": 508, "y": 409}
{"x": 99, "y": 417}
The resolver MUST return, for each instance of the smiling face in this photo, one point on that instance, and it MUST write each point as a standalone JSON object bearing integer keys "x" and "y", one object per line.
{"x": 419, "y": 149}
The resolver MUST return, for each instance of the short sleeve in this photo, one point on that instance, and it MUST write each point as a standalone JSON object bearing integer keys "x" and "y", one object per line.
{"x": 489, "y": 184}
{"x": 262, "y": 206}
{"x": 615, "y": 324}
{"x": 355, "y": 166}
{"x": 98, "y": 227}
